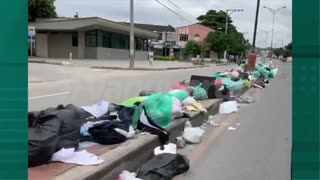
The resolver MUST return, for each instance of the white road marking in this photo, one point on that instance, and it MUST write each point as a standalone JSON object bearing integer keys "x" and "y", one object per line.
{"x": 49, "y": 95}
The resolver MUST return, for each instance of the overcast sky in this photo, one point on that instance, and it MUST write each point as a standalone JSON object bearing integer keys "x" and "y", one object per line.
{"x": 150, "y": 12}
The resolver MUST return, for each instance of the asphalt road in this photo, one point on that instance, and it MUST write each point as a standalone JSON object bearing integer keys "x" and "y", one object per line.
{"x": 51, "y": 85}
{"x": 260, "y": 147}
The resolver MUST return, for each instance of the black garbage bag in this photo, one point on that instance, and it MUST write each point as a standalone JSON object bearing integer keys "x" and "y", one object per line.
{"x": 43, "y": 138}
{"x": 104, "y": 133}
{"x": 147, "y": 93}
{"x": 164, "y": 167}
{"x": 71, "y": 119}
{"x": 52, "y": 129}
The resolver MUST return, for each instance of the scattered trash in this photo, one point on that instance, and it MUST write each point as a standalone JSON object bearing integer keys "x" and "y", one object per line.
{"x": 188, "y": 101}
{"x": 257, "y": 86}
{"x": 193, "y": 135}
{"x": 144, "y": 133}
{"x": 238, "y": 124}
{"x": 164, "y": 166}
{"x": 199, "y": 93}
{"x": 230, "y": 128}
{"x": 247, "y": 100}
{"x": 72, "y": 157}
{"x": 169, "y": 148}
{"x": 126, "y": 175}
{"x": 228, "y": 107}
{"x": 187, "y": 124}
{"x": 129, "y": 134}
{"x": 181, "y": 143}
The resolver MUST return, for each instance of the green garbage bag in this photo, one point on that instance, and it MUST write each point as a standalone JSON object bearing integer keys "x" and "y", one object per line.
{"x": 199, "y": 93}
{"x": 130, "y": 102}
{"x": 179, "y": 94}
{"x": 272, "y": 73}
{"x": 256, "y": 74}
{"x": 263, "y": 71}
{"x": 247, "y": 83}
{"x": 159, "y": 109}
{"x": 217, "y": 75}
{"x": 232, "y": 85}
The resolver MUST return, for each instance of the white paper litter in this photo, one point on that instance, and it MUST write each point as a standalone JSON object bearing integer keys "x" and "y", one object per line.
{"x": 169, "y": 148}
{"x": 188, "y": 101}
{"x": 86, "y": 144}
{"x": 129, "y": 134}
{"x": 193, "y": 135}
{"x": 126, "y": 175}
{"x": 228, "y": 107}
{"x": 81, "y": 157}
{"x": 97, "y": 110}
{"x": 231, "y": 128}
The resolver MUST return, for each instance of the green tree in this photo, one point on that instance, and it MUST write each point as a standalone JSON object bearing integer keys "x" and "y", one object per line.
{"x": 193, "y": 48}
{"x": 289, "y": 46}
{"x": 41, "y": 9}
{"x": 218, "y": 42}
{"x": 287, "y": 52}
{"x": 237, "y": 45}
{"x": 217, "y": 20}
{"x": 278, "y": 52}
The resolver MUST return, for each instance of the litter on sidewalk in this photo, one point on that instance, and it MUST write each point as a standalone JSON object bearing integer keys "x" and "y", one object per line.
{"x": 193, "y": 135}
{"x": 230, "y": 128}
{"x": 228, "y": 107}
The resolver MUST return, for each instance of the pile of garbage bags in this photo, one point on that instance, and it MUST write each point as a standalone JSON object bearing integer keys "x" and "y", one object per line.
{"x": 63, "y": 128}
{"x": 238, "y": 79}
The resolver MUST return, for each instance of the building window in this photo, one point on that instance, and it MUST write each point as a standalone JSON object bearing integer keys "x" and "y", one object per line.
{"x": 184, "y": 37}
{"x": 139, "y": 44}
{"x": 91, "y": 39}
{"x": 115, "y": 41}
{"x": 75, "y": 39}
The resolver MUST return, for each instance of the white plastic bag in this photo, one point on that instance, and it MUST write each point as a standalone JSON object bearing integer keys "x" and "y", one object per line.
{"x": 228, "y": 107}
{"x": 129, "y": 134}
{"x": 193, "y": 135}
{"x": 126, "y": 175}
{"x": 169, "y": 148}
{"x": 188, "y": 101}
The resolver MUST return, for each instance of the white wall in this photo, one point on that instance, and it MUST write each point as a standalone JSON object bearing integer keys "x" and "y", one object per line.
{"x": 60, "y": 45}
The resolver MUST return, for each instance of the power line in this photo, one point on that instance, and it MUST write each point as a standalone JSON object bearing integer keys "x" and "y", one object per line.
{"x": 180, "y": 9}
{"x": 172, "y": 11}
{"x": 174, "y": 4}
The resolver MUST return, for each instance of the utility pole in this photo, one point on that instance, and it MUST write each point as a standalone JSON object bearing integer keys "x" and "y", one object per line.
{"x": 255, "y": 27}
{"x": 131, "y": 61}
{"x": 273, "y": 11}
{"x": 226, "y": 29}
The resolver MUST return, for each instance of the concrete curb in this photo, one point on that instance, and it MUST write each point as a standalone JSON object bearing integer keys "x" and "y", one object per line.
{"x": 149, "y": 69}
{"x": 131, "y": 156}
{"x": 222, "y": 64}
{"x": 45, "y": 62}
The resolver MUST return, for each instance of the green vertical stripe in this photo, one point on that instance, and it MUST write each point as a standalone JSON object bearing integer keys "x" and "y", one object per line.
{"x": 13, "y": 90}
{"x": 306, "y": 63}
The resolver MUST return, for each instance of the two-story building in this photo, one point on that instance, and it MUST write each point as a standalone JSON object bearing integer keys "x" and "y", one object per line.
{"x": 165, "y": 41}
{"x": 196, "y": 32}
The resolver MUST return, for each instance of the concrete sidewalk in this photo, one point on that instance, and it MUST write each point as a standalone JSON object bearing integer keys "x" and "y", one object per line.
{"x": 119, "y": 64}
